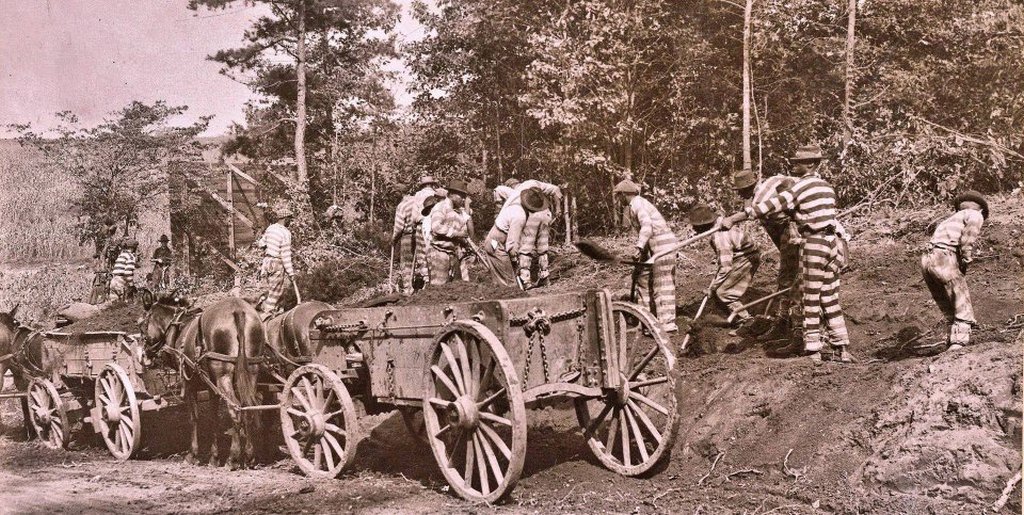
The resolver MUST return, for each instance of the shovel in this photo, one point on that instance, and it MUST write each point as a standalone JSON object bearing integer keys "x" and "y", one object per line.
{"x": 391, "y": 271}
{"x": 487, "y": 262}
{"x": 595, "y": 251}
{"x": 756, "y": 302}
{"x": 700, "y": 311}
{"x": 298, "y": 297}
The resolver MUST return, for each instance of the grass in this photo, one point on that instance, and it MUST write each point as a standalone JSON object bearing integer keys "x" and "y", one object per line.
{"x": 41, "y": 292}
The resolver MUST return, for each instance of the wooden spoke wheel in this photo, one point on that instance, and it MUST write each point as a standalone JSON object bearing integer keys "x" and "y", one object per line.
{"x": 318, "y": 420}
{"x": 119, "y": 421}
{"x": 633, "y": 428}
{"x": 413, "y": 419}
{"x": 47, "y": 415}
{"x": 474, "y": 413}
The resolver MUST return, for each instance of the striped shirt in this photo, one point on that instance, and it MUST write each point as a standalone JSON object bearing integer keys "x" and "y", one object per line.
{"x": 404, "y": 221}
{"x": 278, "y": 242}
{"x": 644, "y": 216}
{"x": 510, "y": 223}
{"x": 811, "y": 200}
{"x": 125, "y": 264}
{"x": 770, "y": 187}
{"x": 446, "y": 223}
{"x": 729, "y": 245}
{"x": 546, "y": 187}
{"x": 417, "y": 207}
{"x": 959, "y": 231}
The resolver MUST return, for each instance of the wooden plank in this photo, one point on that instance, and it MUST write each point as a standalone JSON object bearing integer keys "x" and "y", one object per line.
{"x": 241, "y": 174}
{"x": 224, "y": 204}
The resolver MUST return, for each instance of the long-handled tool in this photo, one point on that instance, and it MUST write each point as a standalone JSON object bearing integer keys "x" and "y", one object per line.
{"x": 595, "y": 251}
{"x": 756, "y": 302}
{"x": 298, "y": 296}
{"x": 706, "y": 234}
{"x": 689, "y": 331}
{"x": 487, "y": 262}
{"x": 391, "y": 271}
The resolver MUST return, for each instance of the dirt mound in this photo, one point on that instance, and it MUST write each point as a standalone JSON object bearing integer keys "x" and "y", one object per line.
{"x": 460, "y": 291}
{"x": 117, "y": 317}
{"x": 951, "y": 429}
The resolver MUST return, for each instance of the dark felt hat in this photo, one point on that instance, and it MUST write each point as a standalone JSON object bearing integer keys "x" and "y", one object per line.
{"x": 744, "y": 178}
{"x": 972, "y": 196}
{"x": 806, "y": 154}
{"x": 459, "y": 186}
{"x": 163, "y": 238}
{"x": 533, "y": 200}
{"x": 429, "y": 203}
{"x": 701, "y": 215}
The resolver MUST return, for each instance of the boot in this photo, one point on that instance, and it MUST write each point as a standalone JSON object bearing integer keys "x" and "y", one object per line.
{"x": 543, "y": 281}
{"x": 779, "y": 331}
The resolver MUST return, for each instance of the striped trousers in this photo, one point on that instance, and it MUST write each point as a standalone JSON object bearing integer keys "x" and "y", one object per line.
{"x": 420, "y": 265}
{"x": 660, "y": 280}
{"x": 118, "y": 285}
{"x": 406, "y": 261}
{"x": 535, "y": 243}
{"x": 783, "y": 236}
{"x": 738, "y": 280}
{"x": 948, "y": 286}
{"x": 820, "y": 293}
{"x": 274, "y": 280}
{"x": 442, "y": 265}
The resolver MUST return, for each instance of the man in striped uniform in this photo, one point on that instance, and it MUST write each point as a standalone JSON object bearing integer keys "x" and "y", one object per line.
{"x": 403, "y": 238}
{"x": 537, "y": 233}
{"x": 428, "y": 188}
{"x": 738, "y": 260}
{"x": 812, "y": 202}
{"x": 945, "y": 265}
{"x": 277, "y": 266}
{"x": 783, "y": 233}
{"x": 449, "y": 232}
{"x": 654, "y": 236}
{"x": 505, "y": 239}
{"x": 123, "y": 273}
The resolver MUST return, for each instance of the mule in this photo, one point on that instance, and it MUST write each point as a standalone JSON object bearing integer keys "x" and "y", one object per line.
{"x": 224, "y": 343}
{"x": 26, "y": 353}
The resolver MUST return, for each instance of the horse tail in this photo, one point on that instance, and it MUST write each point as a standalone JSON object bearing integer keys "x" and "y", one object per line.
{"x": 245, "y": 383}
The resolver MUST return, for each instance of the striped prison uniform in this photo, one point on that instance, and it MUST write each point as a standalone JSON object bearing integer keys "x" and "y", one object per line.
{"x": 405, "y": 226}
{"x": 447, "y": 225}
{"x": 953, "y": 244}
{"x": 537, "y": 233}
{"x": 277, "y": 264}
{"x": 812, "y": 202}
{"x": 504, "y": 240}
{"x": 738, "y": 260}
{"x": 655, "y": 236}
{"x": 784, "y": 235}
{"x": 419, "y": 243}
{"x": 122, "y": 274}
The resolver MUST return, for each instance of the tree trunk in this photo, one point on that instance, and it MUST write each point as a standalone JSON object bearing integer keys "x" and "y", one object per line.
{"x": 300, "y": 100}
{"x": 746, "y": 83}
{"x": 851, "y": 24}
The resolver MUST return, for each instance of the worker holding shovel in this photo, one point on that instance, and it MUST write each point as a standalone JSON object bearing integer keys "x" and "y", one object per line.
{"x": 654, "y": 239}
{"x": 738, "y": 261}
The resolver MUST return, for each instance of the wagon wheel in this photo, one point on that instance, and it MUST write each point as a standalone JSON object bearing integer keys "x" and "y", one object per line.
{"x": 634, "y": 427}
{"x": 474, "y": 413}
{"x": 413, "y": 419}
{"x": 318, "y": 420}
{"x": 47, "y": 414}
{"x": 120, "y": 421}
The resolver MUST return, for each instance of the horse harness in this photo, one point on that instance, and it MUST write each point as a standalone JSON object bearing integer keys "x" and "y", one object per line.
{"x": 20, "y": 356}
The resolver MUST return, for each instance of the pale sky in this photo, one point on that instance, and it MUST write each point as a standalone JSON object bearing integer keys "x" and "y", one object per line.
{"x": 95, "y": 56}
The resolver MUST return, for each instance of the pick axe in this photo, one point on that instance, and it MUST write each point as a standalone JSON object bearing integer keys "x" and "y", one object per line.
{"x": 753, "y": 303}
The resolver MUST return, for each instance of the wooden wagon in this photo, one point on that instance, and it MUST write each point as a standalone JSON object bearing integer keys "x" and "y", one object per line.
{"x": 472, "y": 369}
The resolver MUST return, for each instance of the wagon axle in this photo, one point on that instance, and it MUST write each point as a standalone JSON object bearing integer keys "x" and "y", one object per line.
{"x": 463, "y": 413}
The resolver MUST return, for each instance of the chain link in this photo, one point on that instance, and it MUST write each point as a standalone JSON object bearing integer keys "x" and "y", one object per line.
{"x": 543, "y": 356}
{"x": 389, "y": 376}
{"x": 529, "y": 357}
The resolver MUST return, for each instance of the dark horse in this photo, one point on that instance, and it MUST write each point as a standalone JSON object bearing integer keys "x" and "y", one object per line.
{"x": 27, "y": 354}
{"x": 288, "y": 333}
{"x": 219, "y": 346}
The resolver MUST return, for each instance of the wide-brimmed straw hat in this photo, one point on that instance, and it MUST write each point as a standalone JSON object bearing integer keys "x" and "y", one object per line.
{"x": 972, "y": 196}
{"x": 283, "y": 212}
{"x": 807, "y": 154}
{"x": 701, "y": 215}
{"x": 534, "y": 200}
{"x": 427, "y": 180}
{"x": 627, "y": 187}
{"x": 511, "y": 182}
{"x": 744, "y": 178}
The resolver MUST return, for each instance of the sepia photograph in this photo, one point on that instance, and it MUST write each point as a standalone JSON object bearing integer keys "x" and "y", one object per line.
{"x": 698, "y": 257}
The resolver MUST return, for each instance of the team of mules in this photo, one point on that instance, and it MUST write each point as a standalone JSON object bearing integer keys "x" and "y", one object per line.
{"x": 220, "y": 348}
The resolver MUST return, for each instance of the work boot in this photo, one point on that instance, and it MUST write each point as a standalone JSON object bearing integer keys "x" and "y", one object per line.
{"x": 543, "y": 281}
{"x": 779, "y": 330}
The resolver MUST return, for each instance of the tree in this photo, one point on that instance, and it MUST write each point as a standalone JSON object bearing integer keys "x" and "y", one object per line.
{"x": 335, "y": 69}
{"x": 120, "y": 164}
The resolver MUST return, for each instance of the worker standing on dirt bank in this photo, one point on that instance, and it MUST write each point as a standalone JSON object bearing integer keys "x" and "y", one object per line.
{"x": 738, "y": 261}
{"x": 403, "y": 238}
{"x": 504, "y": 241}
{"x": 161, "y": 264}
{"x": 277, "y": 266}
{"x": 654, "y": 236}
{"x": 449, "y": 232}
{"x": 812, "y": 202}
{"x": 123, "y": 274}
{"x": 536, "y": 237}
{"x": 944, "y": 265}
{"x": 428, "y": 188}
{"x": 783, "y": 233}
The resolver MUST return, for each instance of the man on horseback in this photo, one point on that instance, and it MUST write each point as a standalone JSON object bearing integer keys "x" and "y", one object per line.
{"x": 277, "y": 260}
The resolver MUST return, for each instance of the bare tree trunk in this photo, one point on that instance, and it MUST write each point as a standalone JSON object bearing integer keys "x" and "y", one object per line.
{"x": 851, "y": 25}
{"x": 746, "y": 83}
{"x": 300, "y": 100}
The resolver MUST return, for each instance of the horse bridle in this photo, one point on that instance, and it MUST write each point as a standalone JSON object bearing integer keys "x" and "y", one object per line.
{"x": 170, "y": 333}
